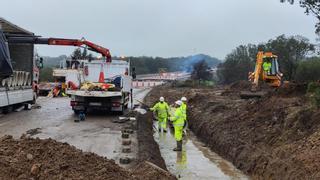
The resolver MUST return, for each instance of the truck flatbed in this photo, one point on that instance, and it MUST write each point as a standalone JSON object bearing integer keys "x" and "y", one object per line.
{"x": 84, "y": 93}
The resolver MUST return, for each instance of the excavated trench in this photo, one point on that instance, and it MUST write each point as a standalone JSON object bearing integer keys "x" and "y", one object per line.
{"x": 196, "y": 161}
{"x": 275, "y": 137}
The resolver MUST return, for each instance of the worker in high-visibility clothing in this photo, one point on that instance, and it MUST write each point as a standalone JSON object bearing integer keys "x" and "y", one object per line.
{"x": 178, "y": 122}
{"x": 267, "y": 66}
{"x": 184, "y": 110}
{"x": 162, "y": 110}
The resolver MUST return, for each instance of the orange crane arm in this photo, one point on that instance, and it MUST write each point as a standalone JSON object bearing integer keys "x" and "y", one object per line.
{"x": 61, "y": 42}
{"x": 75, "y": 42}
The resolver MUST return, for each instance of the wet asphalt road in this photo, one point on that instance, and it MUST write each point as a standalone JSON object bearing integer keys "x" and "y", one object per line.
{"x": 55, "y": 119}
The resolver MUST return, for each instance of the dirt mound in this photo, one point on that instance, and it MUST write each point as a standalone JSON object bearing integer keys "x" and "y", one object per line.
{"x": 28, "y": 158}
{"x": 292, "y": 89}
{"x": 148, "y": 148}
{"x": 147, "y": 170}
{"x": 240, "y": 85}
{"x": 275, "y": 137}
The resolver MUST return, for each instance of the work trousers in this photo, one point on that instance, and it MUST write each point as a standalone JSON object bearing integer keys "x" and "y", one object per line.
{"x": 178, "y": 132}
{"x": 162, "y": 123}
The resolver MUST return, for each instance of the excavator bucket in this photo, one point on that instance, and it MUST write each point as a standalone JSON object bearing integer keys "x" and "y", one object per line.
{"x": 250, "y": 94}
{"x": 5, "y": 62}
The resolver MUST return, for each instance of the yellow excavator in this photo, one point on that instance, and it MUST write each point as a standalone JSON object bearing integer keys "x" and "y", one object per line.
{"x": 266, "y": 70}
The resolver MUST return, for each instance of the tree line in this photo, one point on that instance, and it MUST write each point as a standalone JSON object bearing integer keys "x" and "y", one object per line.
{"x": 151, "y": 65}
{"x": 296, "y": 57}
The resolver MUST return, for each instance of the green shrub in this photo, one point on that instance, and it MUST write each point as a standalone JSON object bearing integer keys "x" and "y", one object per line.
{"x": 308, "y": 70}
{"x": 314, "y": 92}
{"x": 193, "y": 83}
{"x": 313, "y": 87}
{"x": 316, "y": 99}
{"x": 46, "y": 75}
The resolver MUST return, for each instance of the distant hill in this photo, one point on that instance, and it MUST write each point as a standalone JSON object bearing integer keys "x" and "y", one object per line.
{"x": 53, "y": 61}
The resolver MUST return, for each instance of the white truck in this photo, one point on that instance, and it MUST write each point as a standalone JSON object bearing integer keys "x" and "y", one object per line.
{"x": 115, "y": 99}
{"x": 18, "y": 71}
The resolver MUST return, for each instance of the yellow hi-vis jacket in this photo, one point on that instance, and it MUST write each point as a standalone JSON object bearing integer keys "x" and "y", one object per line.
{"x": 267, "y": 66}
{"x": 177, "y": 118}
{"x": 162, "y": 109}
{"x": 184, "y": 110}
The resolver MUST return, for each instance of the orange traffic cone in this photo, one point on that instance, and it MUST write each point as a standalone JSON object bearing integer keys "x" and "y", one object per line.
{"x": 101, "y": 75}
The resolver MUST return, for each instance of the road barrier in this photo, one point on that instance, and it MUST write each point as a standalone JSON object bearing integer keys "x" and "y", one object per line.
{"x": 146, "y": 84}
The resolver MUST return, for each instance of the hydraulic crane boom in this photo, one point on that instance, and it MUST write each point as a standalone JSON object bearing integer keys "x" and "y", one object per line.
{"x": 60, "y": 42}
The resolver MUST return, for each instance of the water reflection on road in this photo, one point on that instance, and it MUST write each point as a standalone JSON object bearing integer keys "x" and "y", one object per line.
{"x": 195, "y": 161}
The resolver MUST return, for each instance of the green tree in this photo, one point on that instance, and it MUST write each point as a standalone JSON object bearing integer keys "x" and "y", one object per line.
{"x": 308, "y": 70}
{"x": 237, "y": 64}
{"x": 201, "y": 71}
{"x": 290, "y": 51}
{"x": 46, "y": 74}
{"x": 76, "y": 54}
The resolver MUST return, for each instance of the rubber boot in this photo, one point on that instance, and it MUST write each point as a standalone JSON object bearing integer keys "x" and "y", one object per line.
{"x": 159, "y": 129}
{"x": 179, "y": 146}
{"x": 165, "y": 130}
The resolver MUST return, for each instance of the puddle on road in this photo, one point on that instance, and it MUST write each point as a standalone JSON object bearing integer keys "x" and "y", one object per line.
{"x": 195, "y": 161}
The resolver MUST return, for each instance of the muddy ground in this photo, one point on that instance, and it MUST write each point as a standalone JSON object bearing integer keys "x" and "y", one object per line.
{"x": 29, "y": 158}
{"x": 148, "y": 148}
{"x": 276, "y": 137}
{"x": 42, "y": 159}
{"x": 96, "y": 139}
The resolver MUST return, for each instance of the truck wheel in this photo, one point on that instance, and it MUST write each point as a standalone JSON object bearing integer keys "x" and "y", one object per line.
{"x": 7, "y": 109}
{"x": 27, "y": 106}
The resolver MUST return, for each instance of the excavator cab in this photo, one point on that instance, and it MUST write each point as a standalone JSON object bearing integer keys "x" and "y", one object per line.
{"x": 271, "y": 76}
{"x": 274, "y": 68}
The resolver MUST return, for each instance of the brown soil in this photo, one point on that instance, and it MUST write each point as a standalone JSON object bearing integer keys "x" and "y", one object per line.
{"x": 148, "y": 148}
{"x": 28, "y": 158}
{"x": 276, "y": 137}
{"x": 147, "y": 170}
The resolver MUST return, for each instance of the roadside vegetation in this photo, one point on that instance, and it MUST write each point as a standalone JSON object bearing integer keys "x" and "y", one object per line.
{"x": 46, "y": 74}
{"x": 292, "y": 52}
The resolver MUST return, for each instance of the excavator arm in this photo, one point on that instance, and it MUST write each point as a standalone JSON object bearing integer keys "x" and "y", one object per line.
{"x": 257, "y": 71}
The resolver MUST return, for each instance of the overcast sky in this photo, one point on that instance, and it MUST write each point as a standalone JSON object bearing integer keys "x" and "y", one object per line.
{"x": 159, "y": 27}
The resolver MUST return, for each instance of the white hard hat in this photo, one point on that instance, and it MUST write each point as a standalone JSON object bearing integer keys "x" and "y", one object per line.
{"x": 183, "y": 99}
{"x": 179, "y": 102}
{"x": 161, "y": 99}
